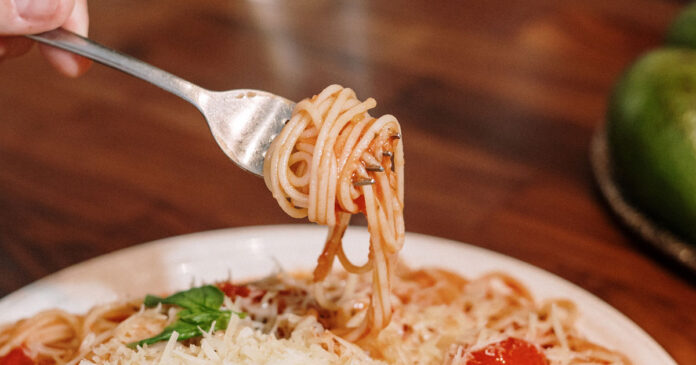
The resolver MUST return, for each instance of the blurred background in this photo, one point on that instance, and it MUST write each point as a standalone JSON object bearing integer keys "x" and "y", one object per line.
{"x": 498, "y": 101}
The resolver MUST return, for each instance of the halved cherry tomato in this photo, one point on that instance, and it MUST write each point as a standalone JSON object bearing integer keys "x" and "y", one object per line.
{"x": 511, "y": 351}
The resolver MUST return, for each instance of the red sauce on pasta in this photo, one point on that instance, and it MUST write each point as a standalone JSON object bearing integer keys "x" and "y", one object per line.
{"x": 232, "y": 290}
{"x": 16, "y": 357}
{"x": 512, "y": 351}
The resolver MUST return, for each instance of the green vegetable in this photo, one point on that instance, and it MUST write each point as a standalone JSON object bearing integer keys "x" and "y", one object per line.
{"x": 682, "y": 31}
{"x": 200, "y": 309}
{"x": 208, "y": 296}
{"x": 652, "y": 137}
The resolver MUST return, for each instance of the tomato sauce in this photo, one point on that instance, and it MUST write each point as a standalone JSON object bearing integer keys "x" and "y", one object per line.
{"x": 511, "y": 351}
{"x": 232, "y": 290}
{"x": 16, "y": 357}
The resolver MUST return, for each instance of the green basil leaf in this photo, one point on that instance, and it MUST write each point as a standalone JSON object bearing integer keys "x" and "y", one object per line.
{"x": 184, "y": 329}
{"x": 208, "y": 296}
{"x": 152, "y": 300}
{"x": 199, "y": 317}
{"x": 200, "y": 309}
{"x": 223, "y": 320}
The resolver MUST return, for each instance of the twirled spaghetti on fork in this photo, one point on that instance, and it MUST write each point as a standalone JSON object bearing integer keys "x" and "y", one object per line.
{"x": 333, "y": 160}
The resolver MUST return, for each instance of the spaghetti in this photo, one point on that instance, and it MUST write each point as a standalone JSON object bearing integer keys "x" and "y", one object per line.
{"x": 439, "y": 318}
{"x": 330, "y": 161}
{"x": 317, "y": 168}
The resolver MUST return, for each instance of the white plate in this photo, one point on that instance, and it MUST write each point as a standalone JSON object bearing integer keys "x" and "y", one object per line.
{"x": 176, "y": 263}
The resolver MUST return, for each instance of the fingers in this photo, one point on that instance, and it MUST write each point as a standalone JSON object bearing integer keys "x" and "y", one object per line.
{"x": 14, "y": 46}
{"x": 68, "y": 63}
{"x": 19, "y": 17}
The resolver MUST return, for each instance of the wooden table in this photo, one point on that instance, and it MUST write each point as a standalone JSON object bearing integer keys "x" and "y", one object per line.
{"x": 498, "y": 101}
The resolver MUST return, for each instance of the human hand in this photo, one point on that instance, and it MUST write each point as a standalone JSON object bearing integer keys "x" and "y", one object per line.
{"x": 19, "y": 17}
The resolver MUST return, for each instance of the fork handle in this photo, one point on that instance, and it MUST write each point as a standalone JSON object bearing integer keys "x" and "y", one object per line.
{"x": 69, "y": 41}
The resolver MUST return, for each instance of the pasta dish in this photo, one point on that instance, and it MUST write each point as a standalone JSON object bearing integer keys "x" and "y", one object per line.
{"x": 330, "y": 161}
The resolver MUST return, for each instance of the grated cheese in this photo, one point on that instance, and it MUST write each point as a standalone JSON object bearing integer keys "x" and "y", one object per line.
{"x": 440, "y": 322}
{"x": 241, "y": 343}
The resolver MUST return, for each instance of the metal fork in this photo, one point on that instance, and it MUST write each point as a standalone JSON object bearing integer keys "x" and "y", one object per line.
{"x": 243, "y": 122}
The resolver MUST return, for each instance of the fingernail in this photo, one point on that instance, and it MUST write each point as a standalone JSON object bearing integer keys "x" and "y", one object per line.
{"x": 36, "y": 9}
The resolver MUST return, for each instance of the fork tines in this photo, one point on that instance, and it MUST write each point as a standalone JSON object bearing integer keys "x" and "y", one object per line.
{"x": 364, "y": 182}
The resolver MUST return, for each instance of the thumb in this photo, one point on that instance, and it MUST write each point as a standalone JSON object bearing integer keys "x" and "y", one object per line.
{"x": 19, "y": 17}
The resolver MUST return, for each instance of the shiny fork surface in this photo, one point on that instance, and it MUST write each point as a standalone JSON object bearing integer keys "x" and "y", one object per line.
{"x": 243, "y": 121}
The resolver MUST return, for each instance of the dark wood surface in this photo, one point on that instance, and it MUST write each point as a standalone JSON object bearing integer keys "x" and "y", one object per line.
{"x": 498, "y": 101}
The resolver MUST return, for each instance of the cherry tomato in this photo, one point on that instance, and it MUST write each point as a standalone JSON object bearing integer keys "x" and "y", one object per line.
{"x": 511, "y": 351}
